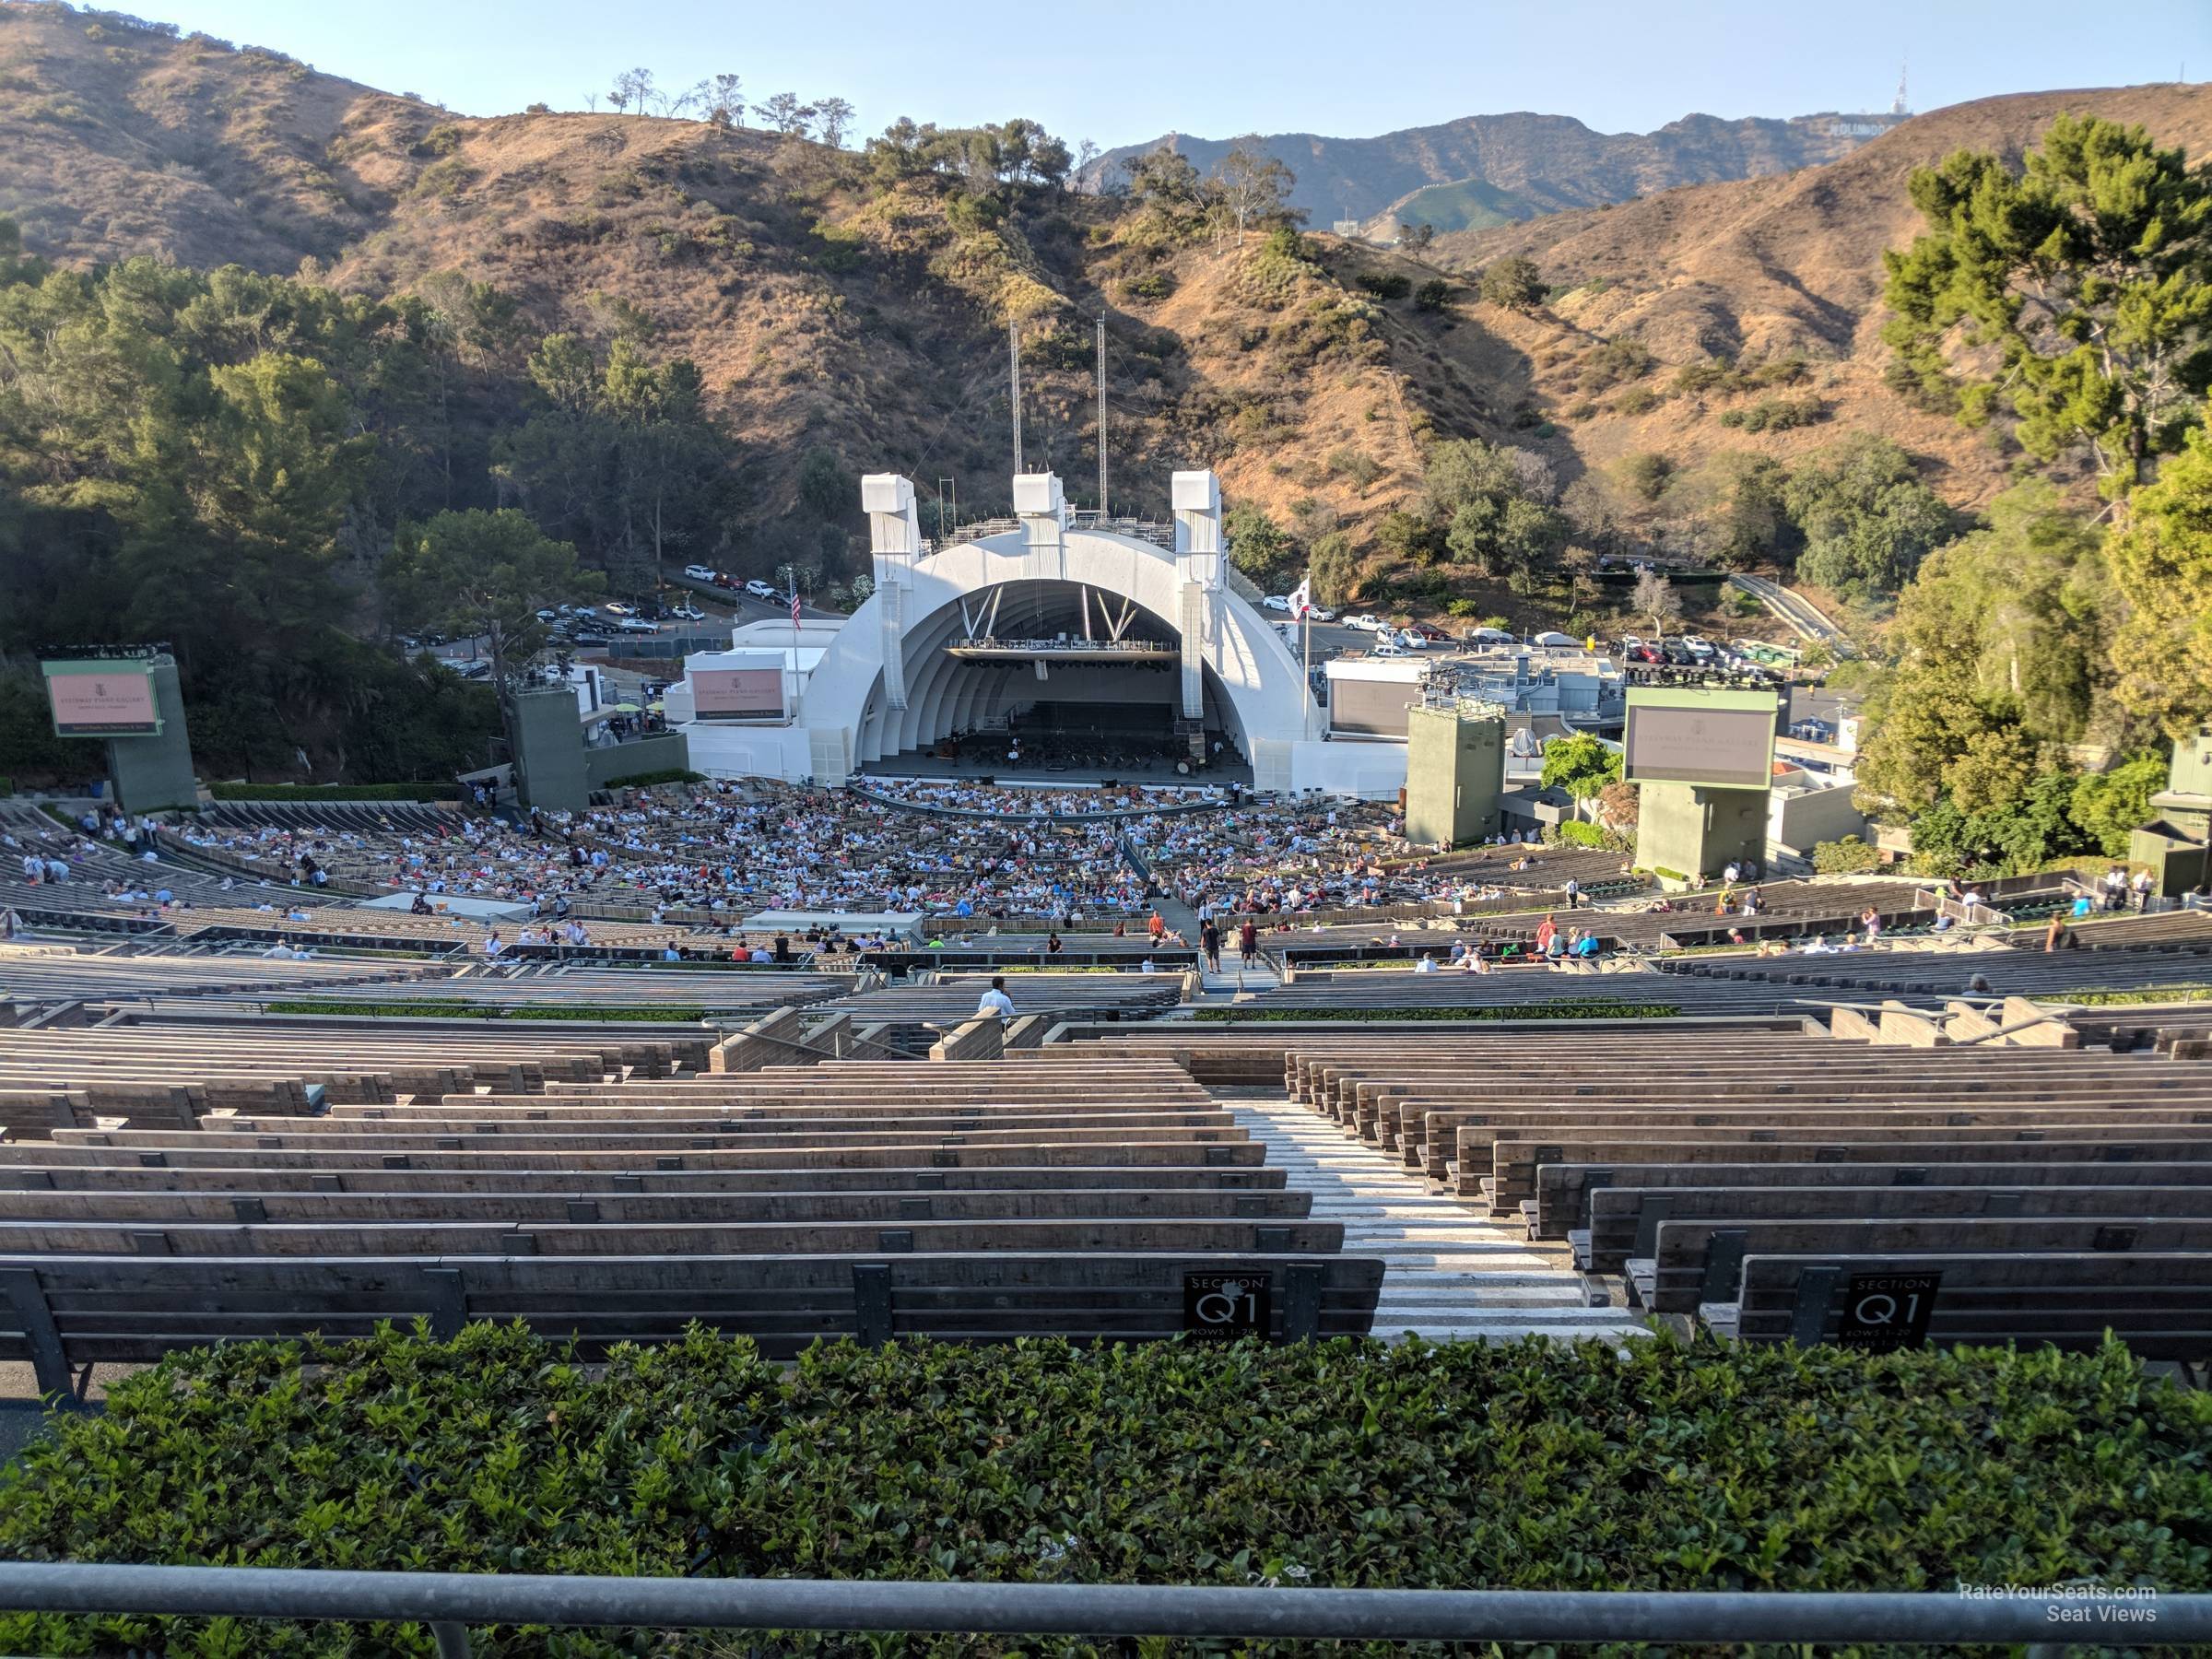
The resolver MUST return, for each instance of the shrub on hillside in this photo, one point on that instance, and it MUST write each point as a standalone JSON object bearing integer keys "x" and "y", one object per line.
{"x": 1386, "y": 285}
{"x": 1432, "y": 295}
{"x": 1850, "y": 856}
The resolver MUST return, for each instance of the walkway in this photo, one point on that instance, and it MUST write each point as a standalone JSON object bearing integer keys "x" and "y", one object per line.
{"x": 1450, "y": 1274}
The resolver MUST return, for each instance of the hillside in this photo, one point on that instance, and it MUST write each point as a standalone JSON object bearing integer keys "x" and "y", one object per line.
{"x": 839, "y": 303}
{"x": 1768, "y": 269}
{"x": 1540, "y": 163}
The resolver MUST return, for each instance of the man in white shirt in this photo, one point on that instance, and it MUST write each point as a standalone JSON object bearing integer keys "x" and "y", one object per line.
{"x": 996, "y": 1001}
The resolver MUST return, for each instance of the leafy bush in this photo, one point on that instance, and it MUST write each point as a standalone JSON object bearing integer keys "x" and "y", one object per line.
{"x": 1386, "y": 285}
{"x": 334, "y": 792}
{"x": 1777, "y": 413}
{"x": 656, "y": 1015}
{"x": 1850, "y": 856}
{"x": 1637, "y": 400}
{"x": 1432, "y": 295}
{"x": 1151, "y": 285}
{"x": 1644, "y": 1465}
{"x": 1361, "y": 469}
{"x": 1578, "y": 834}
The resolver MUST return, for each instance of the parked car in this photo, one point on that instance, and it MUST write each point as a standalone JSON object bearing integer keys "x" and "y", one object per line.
{"x": 700, "y": 572}
{"x": 1276, "y": 602}
{"x": 688, "y": 613}
{"x": 1321, "y": 613}
{"x": 760, "y": 589}
{"x": 1646, "y": 653}
{"x": 1367, "y": 620}
{"x": 615, "y": 607}
{"x": 1385, "y": 630}
{"x": 1410, "y": 637}
{"x": 1485, "y": 636}
{"x": 549, "y": 616}
{"x": 588, "y": 611}
{"x": 636, "y": 625}
{"x": 1551, "y": 639}
{"x": 475, "y": 671}
{"x": 1435, "y": 636}
{"x": 1391, "y": 648}
{"x": 590, "y": 637}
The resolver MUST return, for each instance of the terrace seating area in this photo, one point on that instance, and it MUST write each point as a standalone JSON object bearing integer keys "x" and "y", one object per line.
{"x": 1589, "y": 1137}
{"x": 871, "y": 1199}
{"x": 34, "y": 975}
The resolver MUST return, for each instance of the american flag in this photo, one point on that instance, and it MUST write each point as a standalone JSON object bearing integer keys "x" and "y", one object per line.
{"x": 795, "y": 605}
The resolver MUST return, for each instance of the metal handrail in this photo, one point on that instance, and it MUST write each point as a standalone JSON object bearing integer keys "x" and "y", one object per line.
{"x": 448, "y": 1601}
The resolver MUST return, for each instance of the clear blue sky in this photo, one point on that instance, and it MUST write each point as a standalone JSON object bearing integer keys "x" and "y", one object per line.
{"x": 1124, "y": 73}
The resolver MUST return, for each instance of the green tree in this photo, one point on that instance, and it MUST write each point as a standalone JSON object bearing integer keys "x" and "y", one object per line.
{"x": 1495, "y": 504}
{"x": 1581, "y": 765}
{"x": 2109, "y": 805}
{"x": 1866, "y": 518}
{"x": 1258, "y": 547}
{"x": 485, "y": 575}
{"x": 2079, "y": 291}
{"x": 827, "y": 488}
{"x": 1334, "y": 570}
{"x": 2161, "y": 559}
{"x": 1254, "y": 187}
{"x": 1512, "y": 282}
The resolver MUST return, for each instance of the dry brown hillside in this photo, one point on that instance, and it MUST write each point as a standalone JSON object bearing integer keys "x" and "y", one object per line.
{"x": 827, "y": 307}
{"x": 1764, "y": 269}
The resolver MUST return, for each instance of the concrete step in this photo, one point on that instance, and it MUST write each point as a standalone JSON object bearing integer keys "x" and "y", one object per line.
{"x": 1450, "y": 1273}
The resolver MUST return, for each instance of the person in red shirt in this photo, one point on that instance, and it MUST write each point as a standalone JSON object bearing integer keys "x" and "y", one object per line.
{"x": 1248, "y": 941}
{"x": 1545, "y": 931}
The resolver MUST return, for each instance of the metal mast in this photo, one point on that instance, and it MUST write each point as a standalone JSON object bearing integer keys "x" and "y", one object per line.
{"x": 1014, "y": 395}
{"x": 1101, "y": 418}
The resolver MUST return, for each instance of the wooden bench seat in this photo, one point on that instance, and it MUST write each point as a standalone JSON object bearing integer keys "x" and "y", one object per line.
{"x": 1512, "y": 1177}
{"x": 70, "y": 1311}
{"x": 585, "y": 1183}
{"x": 1113, "y": 1148}
{"x": 639, "y": 1209}
{"x": 2159, "y": 1303}
{"x": 1565, "y": 1205}
{"x": 444, "y": 1238}
{"x": 1701, "y": 1261}
{"x": 1623, "y": 1220}
{"x": 1446, "y": 1135}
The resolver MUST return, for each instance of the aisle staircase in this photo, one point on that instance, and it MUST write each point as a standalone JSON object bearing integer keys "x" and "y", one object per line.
{"x": 1450, "y": 1274}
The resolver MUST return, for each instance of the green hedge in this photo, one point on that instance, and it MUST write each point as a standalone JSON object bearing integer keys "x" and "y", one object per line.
{"x": 1531, "y": 1465}
{"x": 334, "y": 792}
{"x": 2113, "y": 999}
{"x": 655, "y": 1014}
{"x": 1543, "y": 1011}
{"x": 1576, "y": 833}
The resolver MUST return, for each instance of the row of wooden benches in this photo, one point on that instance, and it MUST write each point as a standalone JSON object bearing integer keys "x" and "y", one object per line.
{"x": 967, "y": 1202}
{"x": 1961, "y": 1194}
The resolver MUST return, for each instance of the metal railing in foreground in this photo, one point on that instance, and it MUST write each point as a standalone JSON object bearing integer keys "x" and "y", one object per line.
{"x": 2047, "y": 1618}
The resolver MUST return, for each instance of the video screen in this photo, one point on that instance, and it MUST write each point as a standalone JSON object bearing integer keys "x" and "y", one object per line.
{"x": 738, "y": 693}
{"x": 1726, "y": 748}
{"x": 101, "y": 699}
